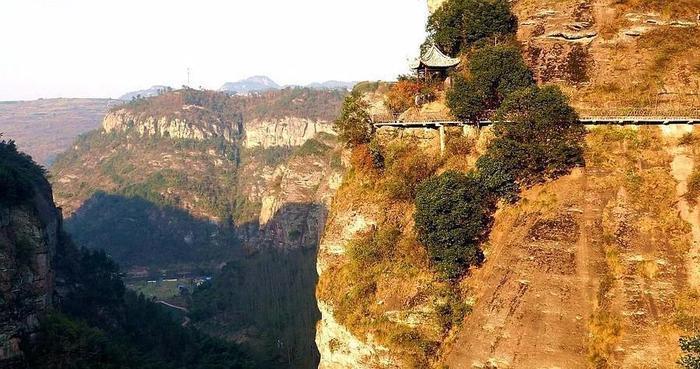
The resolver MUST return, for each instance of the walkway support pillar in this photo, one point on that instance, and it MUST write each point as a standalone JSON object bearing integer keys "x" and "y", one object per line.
{"x": 442, "y": 139}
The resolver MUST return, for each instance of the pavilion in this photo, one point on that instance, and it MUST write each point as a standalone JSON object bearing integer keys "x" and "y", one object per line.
{"x": 433, "y": 64}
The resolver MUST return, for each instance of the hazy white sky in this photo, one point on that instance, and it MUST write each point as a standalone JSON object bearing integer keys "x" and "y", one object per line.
{"x": 102, "y": 48}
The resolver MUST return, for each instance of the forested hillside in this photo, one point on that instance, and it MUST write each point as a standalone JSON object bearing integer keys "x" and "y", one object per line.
{"x": 160, "y": 184}
{"x": 199, "y": 183}
{"x": 68, "y": 308}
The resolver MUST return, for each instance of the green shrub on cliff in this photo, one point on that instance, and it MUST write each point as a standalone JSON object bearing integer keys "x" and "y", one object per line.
{"x": 691, "y": 348}
{"x": 453, "y": 216}
{"x": 498, "y": 71}
{"x": 18, "y": 175}
{"x": 494, "y": 73}
{"x": 458, "y": 24}
{"x": 312, "y": 147}
{"x": 354, "y": 125}
{"x": 496, "y": 178}
{"x": 466, "y": 100}
{"x": 537, "y": 136}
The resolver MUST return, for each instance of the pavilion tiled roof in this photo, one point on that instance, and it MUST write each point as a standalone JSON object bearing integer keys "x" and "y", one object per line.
{"x": 434, "y": 58}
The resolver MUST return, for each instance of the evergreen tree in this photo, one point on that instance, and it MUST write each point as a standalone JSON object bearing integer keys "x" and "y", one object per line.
{"x": 691, "y": 348}
{"x": 453, "y": 216}
{"x": 537, "y": 136}
{"x": 494, "y": 73}
{"x": 354, "y": 125}
{"x": 458, "y": 24}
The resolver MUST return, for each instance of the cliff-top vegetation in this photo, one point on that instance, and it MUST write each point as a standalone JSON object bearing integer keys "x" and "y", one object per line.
{"x": 90, "y": 320}
{"x": 18, "y": 175}
{"x": 431, "y": 212}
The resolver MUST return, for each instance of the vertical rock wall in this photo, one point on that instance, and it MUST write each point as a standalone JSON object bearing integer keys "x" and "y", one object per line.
{"x": 29, "y": 236}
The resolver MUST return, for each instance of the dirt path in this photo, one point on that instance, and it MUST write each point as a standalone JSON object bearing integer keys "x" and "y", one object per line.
{"x": 186, "y": 319}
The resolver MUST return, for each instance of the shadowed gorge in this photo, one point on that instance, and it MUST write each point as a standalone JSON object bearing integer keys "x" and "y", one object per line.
{"x": 229, "y": 191}
{"x": 139, "y": 233}
{"x": 64, "y": 307}
{"x": 266, "y": 301}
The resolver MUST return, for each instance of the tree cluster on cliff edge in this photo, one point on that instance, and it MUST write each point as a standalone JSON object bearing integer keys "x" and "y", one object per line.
{"x": 537, "y": 136}
{"x": 458, "y": 24}
{"x": 354, "y": 125}
{"x": 18, "y": 174}
{"x": 453, "y": 216}
{"x": 494, "y": 73}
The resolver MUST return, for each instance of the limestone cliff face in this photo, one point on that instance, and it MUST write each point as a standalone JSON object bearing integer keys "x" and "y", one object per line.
{"x": 306, "y": 181}
{"x": 177, "y": 125}
{"x": 310, "y": 180}
{"x": 288, "y": 131}
{"x": 340, "y": 348}
{"x": 29, "y": 234}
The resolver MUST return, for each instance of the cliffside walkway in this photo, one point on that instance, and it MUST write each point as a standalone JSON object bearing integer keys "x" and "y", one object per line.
{"x": 600, "y": 117}
{"x": 594, "y": 117}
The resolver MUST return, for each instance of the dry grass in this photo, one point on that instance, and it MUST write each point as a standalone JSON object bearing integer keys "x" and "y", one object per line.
{"x": 606, "y": 331}
{"x": 687, "y": 312}
{"x": 640, "y": 225}
{"x": 384, "y": 286}
{"x": 674, "y": 8}
{"x": 693, "y": 187}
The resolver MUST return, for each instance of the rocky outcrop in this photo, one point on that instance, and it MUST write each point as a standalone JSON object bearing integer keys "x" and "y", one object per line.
{"x": 340, "y": 349}
{"x": 289, "y": 131}
{"x": 29, "y": 234}
{"x": 310, "y": 180}
{"x": 178, "y": 125}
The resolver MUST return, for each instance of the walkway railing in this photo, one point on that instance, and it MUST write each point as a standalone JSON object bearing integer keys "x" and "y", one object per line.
{"x": 591, "y": 117}
{"x": 587, "y": 116}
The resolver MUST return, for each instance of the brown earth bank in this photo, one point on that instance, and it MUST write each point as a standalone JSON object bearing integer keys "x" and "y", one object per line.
{"x": 597, "y": 269}
{"x": 591, "y": 270}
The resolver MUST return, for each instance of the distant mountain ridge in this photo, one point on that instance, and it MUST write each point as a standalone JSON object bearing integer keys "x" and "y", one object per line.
{"x": 332, "y": 85}
{"x": 246, "y": 86}
{"x": 264, "y": 83}
{"x": 251, "y": 84}
{"x": 149, "y": 92}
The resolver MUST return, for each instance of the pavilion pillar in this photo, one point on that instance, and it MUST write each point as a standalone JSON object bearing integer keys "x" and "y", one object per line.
{"x": 442, "y": 139}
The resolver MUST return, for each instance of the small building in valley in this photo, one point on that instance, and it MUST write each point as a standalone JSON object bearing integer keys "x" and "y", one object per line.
{"x": 433, "y": 64}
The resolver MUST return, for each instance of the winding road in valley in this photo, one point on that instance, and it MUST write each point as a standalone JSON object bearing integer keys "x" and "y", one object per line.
{"x": 186, "y": 321}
